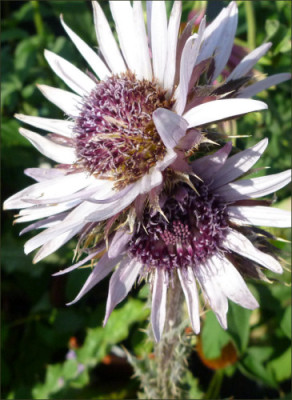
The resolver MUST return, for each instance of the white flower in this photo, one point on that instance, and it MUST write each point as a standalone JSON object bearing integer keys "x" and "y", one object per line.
{"x": 203, "y": 237}
{"x": 129, "y": 127}
{"x": 126, "y": 122}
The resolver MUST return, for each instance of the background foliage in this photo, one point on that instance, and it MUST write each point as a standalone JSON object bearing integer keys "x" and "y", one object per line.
{"x": 51, "y": 351}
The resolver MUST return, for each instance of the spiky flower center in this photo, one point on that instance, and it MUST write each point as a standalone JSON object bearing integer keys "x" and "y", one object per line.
{"x": 191, "y": 230}
{"x": 115, "y": 135}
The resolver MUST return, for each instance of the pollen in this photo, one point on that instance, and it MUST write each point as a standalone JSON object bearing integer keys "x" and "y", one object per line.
{"x": 115, "y": 135}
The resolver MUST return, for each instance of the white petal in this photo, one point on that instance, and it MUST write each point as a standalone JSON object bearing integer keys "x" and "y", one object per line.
{"x": 60, "y": 186}
{"x": 69, "y": 102}
{"x": 238, "y": 243}
{"x": 213, "y": 34}
{"x": 43, "y": 174}
{"x": 239, "y": 163}
{"x": 33, "y": 213}
{"x": 54, "y": 244}
{"x": 169, "y": 158}
{"x": 170, "y": 126}
{"x": 232, "y": 284}
{"x": 264, "y": 84}
{"x": 259, "y": 215}
{"x": 58, "y": 234}
{"x": 142, "y": 41}
{"x": 72, "y": 76}
{"x": 207, "y": 166}
{"x": 159, "y": 39}
{"x": 64, "y": 128}
{"x": 248, "y": 62}
{"x": 221, "y": 109}
{"x": 212, "y": 291}
{"x": 172, "y": 35}
{"x": 149, "y": 181}
{"x": 79, "y": 264}
{"x": 255, "y": 187}
{"x": 101, "y": 270}
{"x": 122, "y": 13}
{"x": 188, "y": 61}
{"x": 189, "y": 287}
{"x": 54, "y": 151}
{"x": 121, "y": 283}
{"x": 106, "y": 41}
{"x": 104, "y": 211}
{"x": 45, "y": 223}
{"x": 226, "y": 39}
{"x": 97, "y": 65}
{"x": 158, "y": 309}
{"x": 119, "y": 242}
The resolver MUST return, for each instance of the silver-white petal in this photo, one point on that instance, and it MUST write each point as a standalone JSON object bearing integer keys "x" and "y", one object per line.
{"x": 172, "y": 35}
{"x": 107, "y": 42}
{"x": 121, "y": 283}
{"x": 264, "y": 84}
{"x": 221, "y": 109}
{"x": 239, "y": 164}
{"x": 232, "y": 284}
{"x": 248, "y": 62}
{"x": 212, "y": 291}
{"x": 189, "y": 287}
{"x": 72, "y": 76}
{"x": 142, "y": 41}
{"x": 97, "y": 65}
{"x": 69, "y": 102}
{"x": 170, "y": 126}
{"x": 158, "y": 309}
{"x": 254, "y": 187}
{"x": 100, "y": 271}
{"x": 123, "y": 16}
{"x": 260, "y": 216}
{"x": 59, "y": 126}
{"x": 158, "y": 39}
{"x": 54, "y": 151}
{"x": 238, "y": 243}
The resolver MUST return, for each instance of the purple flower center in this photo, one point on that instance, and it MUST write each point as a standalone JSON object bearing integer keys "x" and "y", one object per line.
{"x": 115, "y": 135}
{"x": 191, "y": 230}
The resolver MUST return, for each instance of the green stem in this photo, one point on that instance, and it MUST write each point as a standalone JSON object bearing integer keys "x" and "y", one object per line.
{"x": 251, "y": 25}
{"x": 214, "y": 388}
{"x": 38, "y": 21}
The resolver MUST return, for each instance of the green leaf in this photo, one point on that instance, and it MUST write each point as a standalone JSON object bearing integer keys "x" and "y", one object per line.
{"x": 271, "y": 26}
{"x": 13, "y": 34}
{"x": 285, "y": 323}
{"x": 214, "y": 337}
{"x": 238, "y": 326}
{"x": 99, "y": 340}
{"x": 10, "y": 135}
{"x": 253, "y": 365}
{"x": 191, "y": 385}
{"x": 281, "y": 366}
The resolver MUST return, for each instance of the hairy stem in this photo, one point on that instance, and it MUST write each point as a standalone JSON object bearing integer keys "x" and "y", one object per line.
{"x": 166, "y": 352}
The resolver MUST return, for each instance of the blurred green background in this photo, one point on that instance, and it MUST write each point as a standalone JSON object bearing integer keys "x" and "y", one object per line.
{"x": 51, "y": 351}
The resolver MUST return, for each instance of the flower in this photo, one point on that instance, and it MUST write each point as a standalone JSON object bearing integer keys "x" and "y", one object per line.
{"x": 127, "y": 129}
{"x": 204, "y": 231}
{"x": 130, "y": 129}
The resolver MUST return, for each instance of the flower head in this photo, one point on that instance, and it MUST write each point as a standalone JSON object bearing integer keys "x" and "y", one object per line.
{"x": 204, "y": 231}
